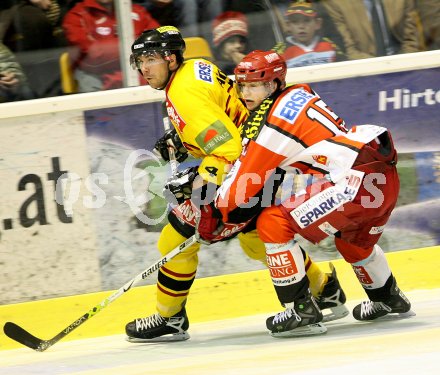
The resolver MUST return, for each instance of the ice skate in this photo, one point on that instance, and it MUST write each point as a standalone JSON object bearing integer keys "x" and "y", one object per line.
{"x": 156, "y": 328}
{"x": 300, "y": 318}
{"x": 332, "y": 298}
{"x": 397, "y": 304}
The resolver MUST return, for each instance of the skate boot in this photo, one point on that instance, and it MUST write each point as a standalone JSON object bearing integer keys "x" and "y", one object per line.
{"x": 396, "y": 304}
{"x": 333, "y": 298}
{"x": 301, "y": 318}
{"x": 156, "y": 328}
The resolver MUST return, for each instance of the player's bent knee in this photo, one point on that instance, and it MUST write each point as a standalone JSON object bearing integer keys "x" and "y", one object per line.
{"x": 352, "y": 253}
{"x": 253, "y": 246}
{"x": 169, "y": 239}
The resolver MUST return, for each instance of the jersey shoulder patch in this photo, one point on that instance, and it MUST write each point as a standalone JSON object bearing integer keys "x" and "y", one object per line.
{"x": 291, "y": 104}
{"x": 203, "y": 71}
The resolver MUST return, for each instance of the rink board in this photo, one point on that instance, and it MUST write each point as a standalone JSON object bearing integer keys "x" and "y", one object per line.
{"x": 212, "y": 298}
{"x": 104, "y": 225}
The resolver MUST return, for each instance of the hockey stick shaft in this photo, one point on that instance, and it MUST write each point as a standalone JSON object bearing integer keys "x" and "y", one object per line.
{"x": 171, "y": 151}
{"x": 17, "y": 333}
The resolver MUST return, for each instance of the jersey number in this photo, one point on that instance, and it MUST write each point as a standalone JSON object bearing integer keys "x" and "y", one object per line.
{"x": 315, "y": 115}
{"x": 212, "y": 170}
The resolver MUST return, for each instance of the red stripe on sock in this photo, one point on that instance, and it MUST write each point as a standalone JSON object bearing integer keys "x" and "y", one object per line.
{"x": 171, "y": 293}
{"x": 176, "y": 274}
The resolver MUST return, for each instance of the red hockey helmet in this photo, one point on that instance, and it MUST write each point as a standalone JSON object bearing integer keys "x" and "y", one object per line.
{"x": 261, "y": 66}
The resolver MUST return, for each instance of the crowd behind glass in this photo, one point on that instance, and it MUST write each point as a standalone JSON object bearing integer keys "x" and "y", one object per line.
{"x": 35, "y": 33}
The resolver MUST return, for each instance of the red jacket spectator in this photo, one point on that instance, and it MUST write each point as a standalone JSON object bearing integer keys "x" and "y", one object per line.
{"x": 320, "y": 51}
{"x": 91, "y": 25}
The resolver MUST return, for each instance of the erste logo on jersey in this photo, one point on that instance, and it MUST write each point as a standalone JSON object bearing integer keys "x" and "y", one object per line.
{"x": 203, "y": 71}
{"x": 291, "y": 105}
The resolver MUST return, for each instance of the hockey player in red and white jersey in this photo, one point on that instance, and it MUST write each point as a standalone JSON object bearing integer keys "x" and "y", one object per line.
{"x": 354, "y": 191}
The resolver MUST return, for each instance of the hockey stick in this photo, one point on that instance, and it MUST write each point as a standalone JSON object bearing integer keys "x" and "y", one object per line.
{"x": 19, "y": 334}
{"x": 171, "y": 151}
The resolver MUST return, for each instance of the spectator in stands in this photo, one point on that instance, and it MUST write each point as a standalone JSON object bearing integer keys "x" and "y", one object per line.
{"x": 69, "y": 4}
{"x": 13, "y": 84}
{"x": 305, "y": 45}
{"x": 429, "y": 11}
{"x": 32, "y": 30}
{"x": 166, "y": 12}
{"x": 372, "y": 28}
{"x": 328, "y": 28}
{"x": 197, "y": 16}
{"x": 32, "y": 25}
{"x": 192, "y": 17}
{"x": 264, "y": 29}
{"x": 91, "y": 26}
{"x": 230, "y": 40}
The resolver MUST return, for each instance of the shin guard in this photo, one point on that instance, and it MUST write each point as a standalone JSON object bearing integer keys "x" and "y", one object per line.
{"x": 287, "y": 270}
{"x": 373, "y": 272}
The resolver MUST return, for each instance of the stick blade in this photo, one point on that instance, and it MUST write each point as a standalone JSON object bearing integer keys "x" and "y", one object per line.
{"x": 15, "y": 332}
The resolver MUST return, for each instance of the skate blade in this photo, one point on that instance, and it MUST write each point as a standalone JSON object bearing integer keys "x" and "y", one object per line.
{"x": 395, "y": 316}
{"x": 309, "y": 330}
{"x": 337, "y": 312}
{"x": 166, "y": 338}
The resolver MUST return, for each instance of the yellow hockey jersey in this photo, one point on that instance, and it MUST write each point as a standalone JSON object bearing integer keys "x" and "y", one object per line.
{"x": 204, "y": 107}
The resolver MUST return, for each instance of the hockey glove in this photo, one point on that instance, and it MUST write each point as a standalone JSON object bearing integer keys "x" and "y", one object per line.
{"x": 209, "y": 223}
{"x": 178, "y": 188}
{"x": 171, "y": 139}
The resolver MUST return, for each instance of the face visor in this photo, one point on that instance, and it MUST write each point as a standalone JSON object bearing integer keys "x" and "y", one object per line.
{"x": 254, "y": 86}
{"x": 148, "y": 58}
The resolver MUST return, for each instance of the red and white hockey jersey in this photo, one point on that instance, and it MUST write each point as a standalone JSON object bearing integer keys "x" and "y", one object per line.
{"x": 301, "y": 134}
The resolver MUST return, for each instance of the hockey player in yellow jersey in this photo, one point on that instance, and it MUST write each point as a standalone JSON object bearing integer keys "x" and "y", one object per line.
{"x": 207, "y": 115}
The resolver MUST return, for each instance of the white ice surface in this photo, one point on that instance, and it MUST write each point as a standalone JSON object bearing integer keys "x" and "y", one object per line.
{"x": 242, "y": 346}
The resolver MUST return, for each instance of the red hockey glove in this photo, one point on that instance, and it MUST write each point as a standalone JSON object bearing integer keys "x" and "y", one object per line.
{"x": 209, "y": 223}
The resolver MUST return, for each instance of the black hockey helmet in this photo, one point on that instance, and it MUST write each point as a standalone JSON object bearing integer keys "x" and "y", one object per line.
{"x": 165, "y": 40}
